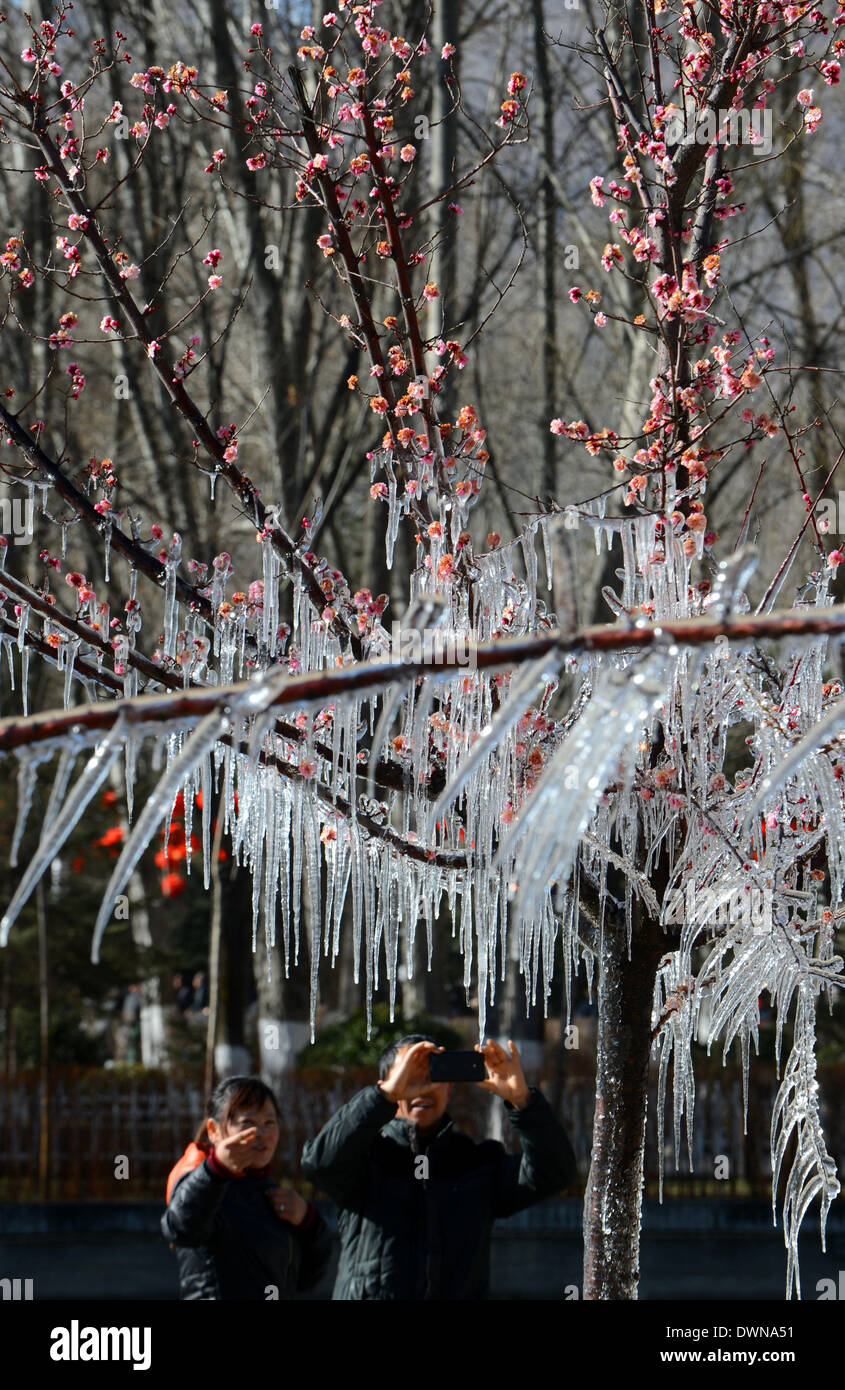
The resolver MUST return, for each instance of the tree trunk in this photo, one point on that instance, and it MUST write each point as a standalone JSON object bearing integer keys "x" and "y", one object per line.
{"x": 283, "y": 1008}
{"x": 444, "y": 152}
{"x": 613, "y": 1201}
{"x": 547, "y": 249}
{"x": 44, "y": 1001}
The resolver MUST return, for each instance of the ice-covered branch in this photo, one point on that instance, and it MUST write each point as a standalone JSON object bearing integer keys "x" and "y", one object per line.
{"x": 322, "y": 686}
{"x": 138, "y": 557}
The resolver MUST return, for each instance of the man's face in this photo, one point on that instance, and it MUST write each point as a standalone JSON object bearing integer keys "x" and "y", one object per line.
{"x": 428, "y": 1102}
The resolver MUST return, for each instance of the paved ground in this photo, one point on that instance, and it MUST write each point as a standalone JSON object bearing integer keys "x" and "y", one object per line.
{"x": 534, "y": 1266}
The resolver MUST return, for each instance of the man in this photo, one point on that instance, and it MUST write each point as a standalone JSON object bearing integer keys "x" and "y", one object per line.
{"x": 417, "y": 1198}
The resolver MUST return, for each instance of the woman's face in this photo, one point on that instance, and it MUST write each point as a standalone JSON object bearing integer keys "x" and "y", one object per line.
{"x": 263, "y": 1119}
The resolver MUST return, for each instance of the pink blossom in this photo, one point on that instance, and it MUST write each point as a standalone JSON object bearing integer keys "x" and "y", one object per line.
{"x": 447, "y": 50}
{"x": 600, "y": 320}
{"x": 835, "y": 558}
{"x": 805, "y": 97}
{"x": 407, "y": 154}
{"x": 215, "y": 281}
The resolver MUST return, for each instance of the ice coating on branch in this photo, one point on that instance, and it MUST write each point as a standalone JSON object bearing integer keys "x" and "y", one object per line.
{"x": 575, "y": 780}
{"x": 526, "y": 689}
{"x": 796, "y": 1113}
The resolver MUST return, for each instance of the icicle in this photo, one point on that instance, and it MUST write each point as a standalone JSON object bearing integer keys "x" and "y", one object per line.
{"x": 23, "y": 623}
{"x": 561, "y": 805}
{"x": 547, "y": 552}
{"x": 130, "y": 766}
{"x": 25, "y": 662}
{"x": 394, "y": 516}
{"x": 156, "y": 808}
{"x": 56, "y": 832}
{"x": 796, "y": 1111}
{"x": 70, "y": 652}
{"x": 170, "y": 610}
{"x": 207, "y": 793}
{"x": 27, "y": 768}
{"x": 526, "y": 689}
{"x": 63, "y": 771}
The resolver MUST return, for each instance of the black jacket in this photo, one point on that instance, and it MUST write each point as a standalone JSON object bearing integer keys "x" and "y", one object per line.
{"x": 230, "y": 1244}
{"x": 427, "y": 1236}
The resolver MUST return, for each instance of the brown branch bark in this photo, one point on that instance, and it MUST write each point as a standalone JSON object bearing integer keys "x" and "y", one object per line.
{"x": 320, "y": 686}
{"x": 240, "y": 483}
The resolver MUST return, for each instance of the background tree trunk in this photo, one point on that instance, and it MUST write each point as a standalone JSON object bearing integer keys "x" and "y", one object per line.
{"x": 613, "y": 1199}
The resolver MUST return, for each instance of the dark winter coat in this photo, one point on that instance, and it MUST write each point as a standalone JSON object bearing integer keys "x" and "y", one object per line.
{"x": 230, "y": 1244}
{"x": 428, "y": 1236}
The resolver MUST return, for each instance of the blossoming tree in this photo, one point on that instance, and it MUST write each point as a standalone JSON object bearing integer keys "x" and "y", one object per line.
{"x": 568, "y": 786}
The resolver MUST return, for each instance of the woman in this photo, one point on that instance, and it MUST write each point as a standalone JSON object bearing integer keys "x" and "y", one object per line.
{"x": 236, "y": 1233}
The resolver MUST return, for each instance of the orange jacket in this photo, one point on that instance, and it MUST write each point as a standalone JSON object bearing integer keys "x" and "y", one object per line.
{"x": 191, "y": 1159}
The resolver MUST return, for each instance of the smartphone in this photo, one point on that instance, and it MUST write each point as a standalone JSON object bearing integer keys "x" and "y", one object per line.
{"x": 457, "y": 1066}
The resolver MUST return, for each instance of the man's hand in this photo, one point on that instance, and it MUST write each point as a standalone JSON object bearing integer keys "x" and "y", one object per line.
{"x": 504, "y": 1074}
{"x": 287, "y": 1204}
{"x": 408, "y": 1073}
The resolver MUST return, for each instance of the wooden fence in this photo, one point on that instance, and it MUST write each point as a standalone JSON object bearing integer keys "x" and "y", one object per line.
{"x": 116, "y": 1136}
